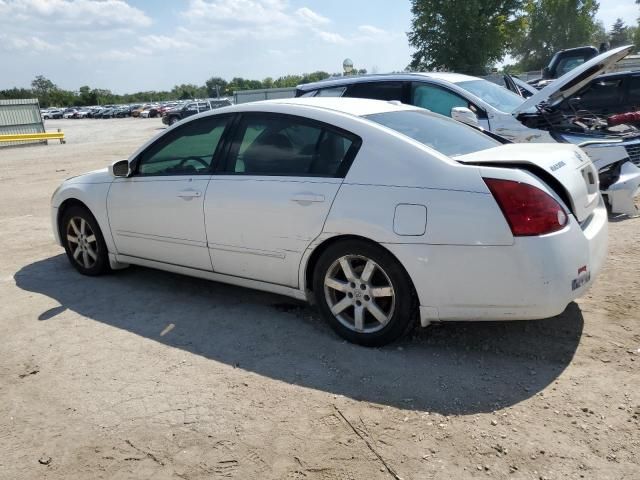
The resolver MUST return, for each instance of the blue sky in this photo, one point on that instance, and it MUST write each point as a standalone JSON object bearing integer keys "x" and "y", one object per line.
{"x": 154, "y": 44}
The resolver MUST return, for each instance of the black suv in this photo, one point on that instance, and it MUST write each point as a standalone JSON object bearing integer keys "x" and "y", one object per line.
{"x": 191, "y": 108}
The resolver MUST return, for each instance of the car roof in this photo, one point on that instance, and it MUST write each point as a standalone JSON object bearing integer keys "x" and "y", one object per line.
{"x": 407, "y": 76}
{"x": 352, "y": 106}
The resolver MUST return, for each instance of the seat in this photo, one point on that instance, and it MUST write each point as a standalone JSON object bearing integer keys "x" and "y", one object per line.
{"x": 271, "y": 154}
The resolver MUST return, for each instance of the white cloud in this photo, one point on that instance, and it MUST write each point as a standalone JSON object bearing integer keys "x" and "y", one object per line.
{"x": 371, "y": 30}
{"x": 331, "y": 37}
{"x": 80, "y": 13}
{"x": 163, "y": 42}
{"x": 30, "y": 44}
{"x": 308, "y": 15}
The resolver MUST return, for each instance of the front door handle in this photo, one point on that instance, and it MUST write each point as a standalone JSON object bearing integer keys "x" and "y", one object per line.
{"x": 307, "y": 198}
{"x": 189, "y": 194}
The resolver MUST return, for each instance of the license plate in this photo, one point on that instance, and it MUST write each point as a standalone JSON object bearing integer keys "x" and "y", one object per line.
{"x": 576, "y": 283}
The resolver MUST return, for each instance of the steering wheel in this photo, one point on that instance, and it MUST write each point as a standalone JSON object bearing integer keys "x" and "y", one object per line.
{"x": 197, "y": 159}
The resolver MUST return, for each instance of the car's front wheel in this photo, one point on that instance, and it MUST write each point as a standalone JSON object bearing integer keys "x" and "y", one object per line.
{"x": 364, "y": 293}
{"x": 83, "y": 241}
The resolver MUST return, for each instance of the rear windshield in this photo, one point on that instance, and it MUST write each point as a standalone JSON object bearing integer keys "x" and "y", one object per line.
{"x": 436, "y": 131}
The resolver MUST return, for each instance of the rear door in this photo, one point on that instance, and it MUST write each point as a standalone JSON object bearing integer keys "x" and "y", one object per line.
{"x": 274, "y": 194}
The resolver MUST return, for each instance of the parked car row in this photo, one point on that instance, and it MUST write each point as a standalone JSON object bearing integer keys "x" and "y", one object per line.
{"x": 170, "y": 112}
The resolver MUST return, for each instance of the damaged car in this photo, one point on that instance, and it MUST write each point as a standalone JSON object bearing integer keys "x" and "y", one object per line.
{"x": 615, "y": 150}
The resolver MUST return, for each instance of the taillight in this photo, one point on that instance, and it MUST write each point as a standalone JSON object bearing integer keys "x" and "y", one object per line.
{"x": 528, "y": 210}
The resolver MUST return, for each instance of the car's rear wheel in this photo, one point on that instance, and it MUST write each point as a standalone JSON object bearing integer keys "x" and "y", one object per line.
{"x": 83, "y": 241}
{"x": 364, "y": 293}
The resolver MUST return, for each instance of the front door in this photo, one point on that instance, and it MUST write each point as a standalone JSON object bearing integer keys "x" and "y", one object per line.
{"x": 271, "y": 201}
{"x": 157, "y": 213}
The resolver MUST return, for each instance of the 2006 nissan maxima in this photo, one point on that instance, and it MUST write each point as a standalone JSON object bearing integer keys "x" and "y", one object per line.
{"x": 381, "y": 213}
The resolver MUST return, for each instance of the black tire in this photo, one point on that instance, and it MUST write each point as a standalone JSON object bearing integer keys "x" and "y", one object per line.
{"x": 94, "y": 267}
{"x": 401, "y": 307}
{"x": 173, "y": 120}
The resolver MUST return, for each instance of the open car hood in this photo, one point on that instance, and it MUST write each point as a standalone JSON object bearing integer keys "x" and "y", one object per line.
{"x": 568, "y": 84}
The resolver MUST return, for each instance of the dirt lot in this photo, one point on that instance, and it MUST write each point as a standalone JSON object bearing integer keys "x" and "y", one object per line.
{"x": 145, "y": 374}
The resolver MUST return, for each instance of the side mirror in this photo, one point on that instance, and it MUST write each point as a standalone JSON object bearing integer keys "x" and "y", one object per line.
{"x": 546, "y": 73}
{"x": 464, "y": 115}
{"x": 120, "y": 168}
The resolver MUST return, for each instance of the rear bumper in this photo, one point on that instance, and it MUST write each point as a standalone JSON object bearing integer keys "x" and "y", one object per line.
{"x": 536, "y": 277}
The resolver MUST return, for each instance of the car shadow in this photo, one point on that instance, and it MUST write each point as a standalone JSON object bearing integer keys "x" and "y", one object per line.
{"x": 454, "y": 368}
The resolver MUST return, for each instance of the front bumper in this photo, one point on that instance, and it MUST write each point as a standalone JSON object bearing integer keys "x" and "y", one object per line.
{"x": 624, "y": 194}
{"x": 535, "y": 278}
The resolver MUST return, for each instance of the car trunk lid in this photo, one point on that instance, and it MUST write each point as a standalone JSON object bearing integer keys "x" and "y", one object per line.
{"x": 564, "y": 168}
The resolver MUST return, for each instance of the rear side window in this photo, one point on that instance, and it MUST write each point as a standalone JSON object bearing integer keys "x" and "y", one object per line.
{"x": 331, "y": 92}
{"x": 376, "y": 90}
{"x": 442, "y": 134}
{"x": 285, "y": 145}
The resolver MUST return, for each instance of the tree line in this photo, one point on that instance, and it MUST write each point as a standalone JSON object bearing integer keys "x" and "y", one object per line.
{"x": 49, "y": 94}
{"x": 466, "y": 36}
{"x": 472, "y": 36}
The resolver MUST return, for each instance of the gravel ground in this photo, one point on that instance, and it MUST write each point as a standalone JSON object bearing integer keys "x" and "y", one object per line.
{"x": 145, "y": 374}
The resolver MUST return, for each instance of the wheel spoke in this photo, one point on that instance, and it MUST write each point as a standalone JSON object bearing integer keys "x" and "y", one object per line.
{"x": 368, "y": 270}
{"x": 91, "y": 238}
{"x": 83, "y": 225}
{"x": 74, "y": 227}
{"x": 382, "y": 291}
{"x": 346, "y": 268}
{"x": 72, "y": 239}
{"x": 336, "y": 284}
{"x": 85, "y": 259}
{"x": 359, "y": 318}
{"x": 341, "y": 305}
{"x": 77, "y": 252}
{"x": 377, "y": 313}
{"x": 92, "y": 254}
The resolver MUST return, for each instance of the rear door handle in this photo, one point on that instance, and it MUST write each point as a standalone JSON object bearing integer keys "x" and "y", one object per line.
{"x": 307, "y": 198}
{"x": 189, "y": 194}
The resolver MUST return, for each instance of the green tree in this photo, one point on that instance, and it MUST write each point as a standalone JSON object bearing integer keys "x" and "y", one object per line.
{"x": 551, "y": 25}
{"x": 42, "y": 89}
{"x": 215, "y": 86}
{"x": 462, "y": 35}
{"x": 619, "y": 34}
{"x": 599, "y": 35}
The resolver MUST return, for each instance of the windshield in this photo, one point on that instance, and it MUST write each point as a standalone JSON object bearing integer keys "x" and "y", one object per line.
{"x": 440, "y": 133}
{"x": 495, "y": 95}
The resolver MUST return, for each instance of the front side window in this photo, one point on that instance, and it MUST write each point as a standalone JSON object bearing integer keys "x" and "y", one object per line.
{"x": 288, "y": 146}
{"x": 436, "y": 99}
{"x": 442, "y": 134}
{"x": 186, "y": 150}
{"x": 376, "y": 90}
{"x": 498, "y": 97}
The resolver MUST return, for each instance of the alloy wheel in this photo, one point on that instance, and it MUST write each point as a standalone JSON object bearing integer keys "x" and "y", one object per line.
{"x": 83, "y": 243}
{"x": 359, "y": 293}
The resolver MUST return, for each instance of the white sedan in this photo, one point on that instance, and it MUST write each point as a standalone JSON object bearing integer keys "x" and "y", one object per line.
{"x": 380, "y": 213}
